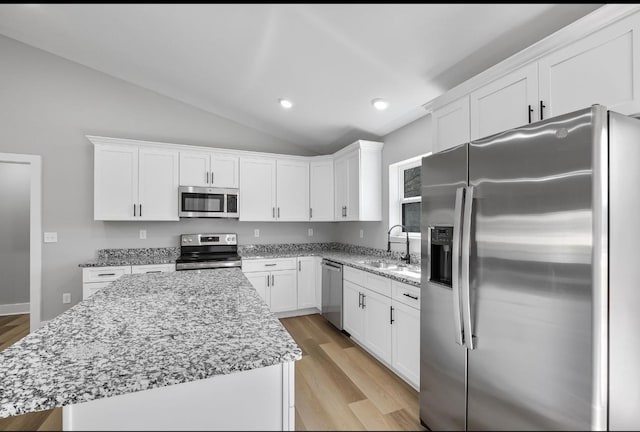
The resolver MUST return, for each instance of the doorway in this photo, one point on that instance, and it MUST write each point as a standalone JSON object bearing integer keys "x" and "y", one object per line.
{"x": 20, "y": 246}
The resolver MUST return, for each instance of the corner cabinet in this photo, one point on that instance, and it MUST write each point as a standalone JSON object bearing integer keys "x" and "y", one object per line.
{"x": 134, "y": 182}
{"x": 358, "y": 182}
{"x": 450, "y": 124}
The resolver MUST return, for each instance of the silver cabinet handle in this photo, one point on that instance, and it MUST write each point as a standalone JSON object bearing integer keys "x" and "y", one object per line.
{"x": 299, "y": 266}
{"x": 154, "y": 271}
{"x": 207, "y": 177}
{"x": 134, "y": 210}
{"x": 211, "y": 177}
{"x": 270, "y": 265}
{"x": 273, "y": 280}
{"x": 466, "y": 251}
{"x": 415, "y": 298}
{"x": 278, "y": 212}
{"x": 106, "y": 274}
{"x": 267, "y": 280}
{"x": 310, "y": 212}
{"x": 140, "y": 213}
{"x": 364, "y": 297}
{"x": 391, "y": 320}
{"x": 455, "y": 265}
{"x": 273, "y": 212}
{"x": 345, "y": 211}
{"x": 359, "y": 300}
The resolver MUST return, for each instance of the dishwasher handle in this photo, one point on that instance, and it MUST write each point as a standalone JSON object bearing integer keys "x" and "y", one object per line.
{"x": 331, "y": 267}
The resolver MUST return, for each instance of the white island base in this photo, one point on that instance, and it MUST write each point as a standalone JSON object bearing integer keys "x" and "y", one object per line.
{"x": 257, "y": 399}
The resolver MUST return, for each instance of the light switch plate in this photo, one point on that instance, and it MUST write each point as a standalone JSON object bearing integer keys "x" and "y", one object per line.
{"x": 51, "y": 237}
{"x": 256, "y": 232}
{"x": 143, "y": 234}
{"x": 310, "y": 232}
{"x": 66, "y": 298}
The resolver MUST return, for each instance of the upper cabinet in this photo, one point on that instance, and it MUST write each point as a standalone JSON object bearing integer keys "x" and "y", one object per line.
{"x": 505, "y": 103}
{"x": 602, "y": 68}
{"x": 209, "y": 169}
{"x": 570, "y": 70}
{"x": 358, "y": 182}
{"x": 321, "y": 190}
{"x": 135, "y": 183}
{"x": 450, "y": 124}
{"x": 292, "y": 190}
{"x": 257, "y": 189}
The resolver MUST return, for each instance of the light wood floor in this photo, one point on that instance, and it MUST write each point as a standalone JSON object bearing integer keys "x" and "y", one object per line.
{"x": 338, "y": 385}
{"x": 12, "y": 329}
{"x": 341, "y": 387}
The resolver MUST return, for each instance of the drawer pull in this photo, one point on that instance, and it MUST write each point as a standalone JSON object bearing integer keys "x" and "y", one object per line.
{"x": 154, "y": 271}
{"x": 410, "y": 296}
{"x": 106, "y": 274}
{"x": 270, "y": 265}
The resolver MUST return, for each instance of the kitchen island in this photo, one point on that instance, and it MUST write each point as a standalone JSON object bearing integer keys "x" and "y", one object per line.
{"x": 184, "y": 350}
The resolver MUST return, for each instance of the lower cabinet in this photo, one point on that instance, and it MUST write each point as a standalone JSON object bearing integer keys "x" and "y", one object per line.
{"x": 384, "y": 318}
{"x": 96, "y": 278}
{"x": 285, "y": 284}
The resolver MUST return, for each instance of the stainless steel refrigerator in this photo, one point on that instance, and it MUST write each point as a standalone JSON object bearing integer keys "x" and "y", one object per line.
{"x": 531, "y": 270}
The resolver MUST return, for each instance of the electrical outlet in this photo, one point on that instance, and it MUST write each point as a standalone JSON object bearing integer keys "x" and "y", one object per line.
{"x": 143, "y": 234}
{"x": 361, "y": 233}
{"x": 51, "y": 237}
{"x": 256, "y": 232}
{"x": 66, "y": 298}
{"x": 310, "y": 232}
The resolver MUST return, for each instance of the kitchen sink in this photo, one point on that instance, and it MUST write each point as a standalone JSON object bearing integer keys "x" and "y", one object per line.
{"x": 380, "y": 264}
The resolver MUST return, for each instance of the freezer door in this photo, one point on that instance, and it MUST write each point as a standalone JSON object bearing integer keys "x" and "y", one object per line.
{"x": 531, "y": 277}
{"x": 442, "y": 360}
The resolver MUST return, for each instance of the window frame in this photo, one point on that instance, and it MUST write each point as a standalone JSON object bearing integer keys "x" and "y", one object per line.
{"x": 396, "y": 194}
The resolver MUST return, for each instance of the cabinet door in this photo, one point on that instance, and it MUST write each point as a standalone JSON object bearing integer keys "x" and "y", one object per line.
{"x": 284, "y": 290}
{"x": 194, "y": 168}
{"x": 158, "y": 184}
{"x": 352, "y": 313}
{"x": 377, "y": 324}
{"x": 292, "y": 190}
{"x": 321, "y": 191}
{"x": 89, "y": 289}
{"x": 505, "y": 103}
{"x": 307, "y": 282}
{"x": 224, "y": 170}
{"x": 115, "y": 182}
{"x": 340, "y": 189}
{"x": 602, "y": 68}
{"x": 405, "y": 336}
{"x": 450, "y": 125}
{"x": 261, "y": 281}
{"x": 257, "y": 189}
{"x": 353, "y": 186}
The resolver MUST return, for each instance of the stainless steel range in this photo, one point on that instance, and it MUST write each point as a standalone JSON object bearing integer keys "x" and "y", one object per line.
{"x": 208, "y": 251}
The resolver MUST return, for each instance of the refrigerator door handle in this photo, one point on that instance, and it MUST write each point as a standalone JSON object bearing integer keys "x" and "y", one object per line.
{"x": 455, "y": 265}
{"x": 465, "y": 274}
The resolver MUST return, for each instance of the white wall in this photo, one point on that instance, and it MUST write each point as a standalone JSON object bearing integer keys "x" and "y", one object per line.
{"x": 409, "y": 141}
{"x": 49, "y": 104}
{"x": 15, "y": 183}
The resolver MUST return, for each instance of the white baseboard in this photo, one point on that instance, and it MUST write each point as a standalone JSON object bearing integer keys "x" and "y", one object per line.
{"x": 14, "y": 309}
{"x": 297, "y": 312}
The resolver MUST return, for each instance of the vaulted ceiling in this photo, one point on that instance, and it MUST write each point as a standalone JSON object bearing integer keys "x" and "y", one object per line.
{"x": 330, "y": 60}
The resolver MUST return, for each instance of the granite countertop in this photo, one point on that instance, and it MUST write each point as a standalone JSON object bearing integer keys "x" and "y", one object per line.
{"x": 127, "y": 261}
{"x": 142, "y": 332}
{"x": 348, "y": 258}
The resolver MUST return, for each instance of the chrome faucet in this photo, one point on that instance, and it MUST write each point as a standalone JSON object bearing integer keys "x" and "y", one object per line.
{"x": 406, "y": 257}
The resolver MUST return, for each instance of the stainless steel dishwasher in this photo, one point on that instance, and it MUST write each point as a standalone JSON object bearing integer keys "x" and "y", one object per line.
{"x": 332, "y": 292}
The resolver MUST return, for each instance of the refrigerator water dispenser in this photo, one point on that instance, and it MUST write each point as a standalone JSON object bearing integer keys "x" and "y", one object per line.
{"x": 441, "y": 242}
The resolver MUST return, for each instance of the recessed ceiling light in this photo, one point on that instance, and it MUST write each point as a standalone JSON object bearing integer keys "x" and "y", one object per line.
{"x": 380, "y": 104}
{"x": 285, "y": 103}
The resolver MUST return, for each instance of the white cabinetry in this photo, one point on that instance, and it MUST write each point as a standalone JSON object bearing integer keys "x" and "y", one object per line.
{"x": 377, "y": 324}
{"x": 283, "y": 291}
{"x": 152, "y": 268}
{"x": 602, "y": 68}
{"x": 505, "y": 103}
{"x": 134, "y": 182}
{"x": 321, "y": 190}
{"x": 260, "y": 281}
{"x": 405, "y": 332}
{"x": 292, "y": 185}
{"x": 96, "y": 278}
{"x": 450, "y": 124}
{"x": 257, "y": 189}
{"x": 275, "y": 280}
{"x": 209, "y": 169}
{"x": 352, "y": 311}
{"x": 358, "y": 182}
{"x": 307, "y": 282}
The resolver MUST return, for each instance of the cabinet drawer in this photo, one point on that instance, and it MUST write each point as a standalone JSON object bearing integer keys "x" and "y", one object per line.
{"x": 354, "y": 275}
{"x": 104, "y": 274}
{"x": 153, "y": 268}
{"x": 379, "y": 284}
{"x": 254, "y": 265}
{"x": 407, "y": 294}
{"x": 89, "y": 289}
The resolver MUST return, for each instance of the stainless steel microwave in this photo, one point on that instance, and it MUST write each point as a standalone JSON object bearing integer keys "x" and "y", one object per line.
{"x": 202, "y": 202}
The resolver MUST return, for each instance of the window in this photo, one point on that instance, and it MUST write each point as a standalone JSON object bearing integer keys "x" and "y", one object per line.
{"x": 405, "y": 195}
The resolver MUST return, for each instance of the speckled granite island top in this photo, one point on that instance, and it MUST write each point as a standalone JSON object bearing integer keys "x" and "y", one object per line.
{"x": 142, "y": 332}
